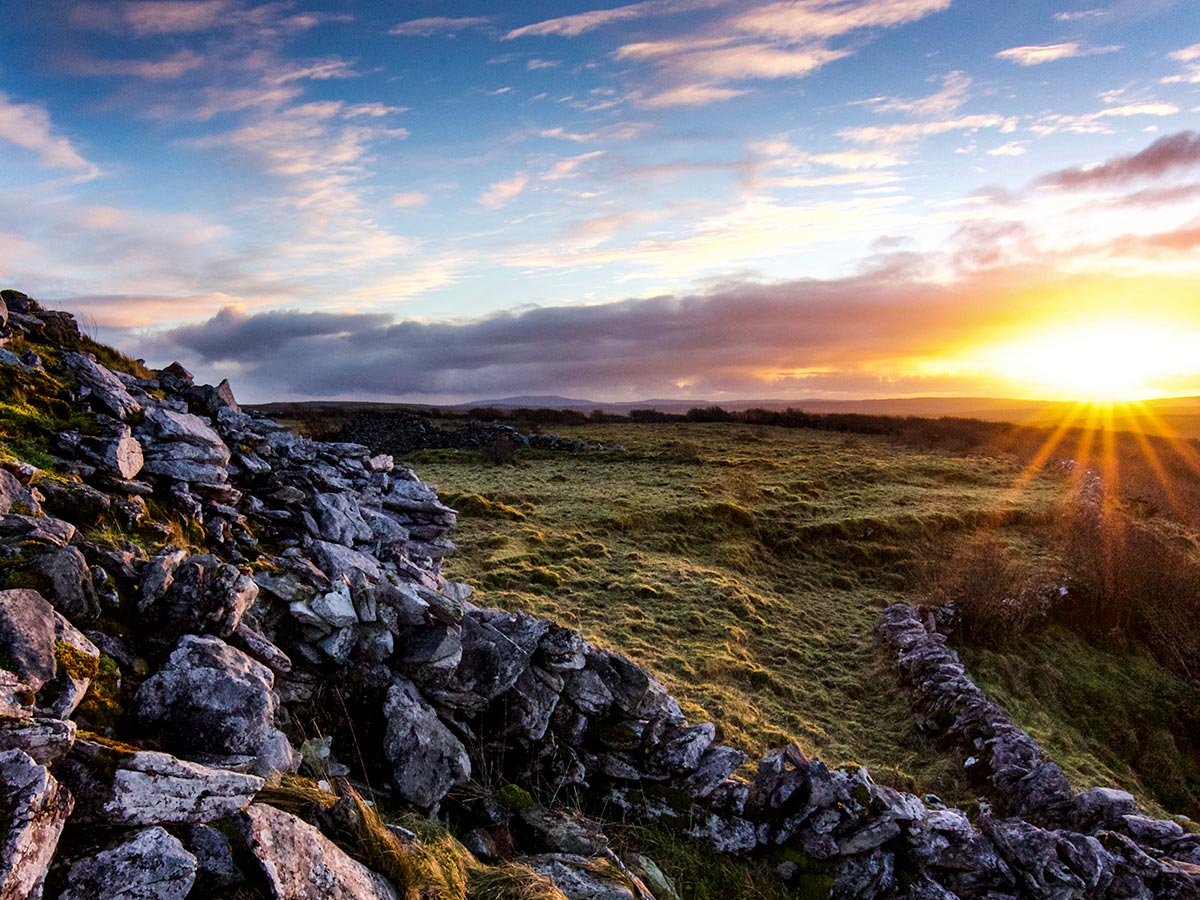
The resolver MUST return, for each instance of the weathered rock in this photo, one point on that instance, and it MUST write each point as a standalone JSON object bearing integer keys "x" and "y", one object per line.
{"x": 37, "y": 808}
{"x": 123, "y": 455}
{"x": 27, "y": 636}
{"x": 715, "y": 765}
{"x": 201, "y": 594}
{"x": 77, "y": 661}
{"x": 114, "y": 786}
{"x": 339, "y": 519}
{"x": 16, "y": 697}
{"x": 300, "y": 863}
{"x": 209, "y": 697}
{"x": 215, "y": 865}
{"x": 560, "y": 831}
{"x": 45, "y": 740}
{"x": 1102, "y": 806}
{"x": 16, "y": 497}
{"x": 496, "y": 648}
{"x": 578, "y": 877}
{"x": 340, "y": 562}
{"x": 67, "y": 584}
{"x": 427, "y": 759}
{"x": 149, "y": 865}
{"x": 101, "y": 385}
{"x": 44, "y": 531}
{"x": 167, "y": 427}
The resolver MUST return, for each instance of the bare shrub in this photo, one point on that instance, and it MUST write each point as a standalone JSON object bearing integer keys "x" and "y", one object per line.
{"x": 500, "y": 452}
{"x": 995, "y": 597}
{"x": 1133, "y": 582}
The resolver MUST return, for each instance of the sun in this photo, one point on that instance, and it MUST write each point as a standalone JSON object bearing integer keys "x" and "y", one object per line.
{"x": 1109, "y": 361}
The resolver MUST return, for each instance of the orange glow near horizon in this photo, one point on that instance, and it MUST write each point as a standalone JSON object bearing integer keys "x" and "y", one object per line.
{"x": 1103, "y": 362}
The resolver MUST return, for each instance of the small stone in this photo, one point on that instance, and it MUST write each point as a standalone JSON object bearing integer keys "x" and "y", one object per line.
{"x": 150, "y": 865}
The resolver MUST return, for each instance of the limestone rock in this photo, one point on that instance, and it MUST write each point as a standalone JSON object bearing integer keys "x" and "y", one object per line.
{"x": 201, "y": 594}
{"x": 16, "y": 697}
{"x": 577, "y": 877}
{"x": 67, "y": 582}
{"x": 117, "y": 787}
{"x": 149, "y": 865}
{"x": 38, "y": 808}
{"x": 27, "y": 636}
{"x": 101, "y": 385}
{"x": 215, "y": 865}
{"x": 300, "y": 863}
{"x": 427, "y": 759}
{"x": 45, "y": 740}
{"x": 77, "y": 660}
{"x": 14, "y": 494}
{"x": 209, "y": 697}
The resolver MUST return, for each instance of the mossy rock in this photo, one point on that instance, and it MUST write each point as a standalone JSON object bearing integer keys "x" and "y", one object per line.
{"x": 514, "y": 798}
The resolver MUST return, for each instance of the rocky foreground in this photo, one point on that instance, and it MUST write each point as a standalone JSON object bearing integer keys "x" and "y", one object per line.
{"x": 198, "y": 604}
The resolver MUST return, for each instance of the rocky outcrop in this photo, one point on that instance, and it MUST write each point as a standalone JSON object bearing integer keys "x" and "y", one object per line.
{"x": 398, "y": 433}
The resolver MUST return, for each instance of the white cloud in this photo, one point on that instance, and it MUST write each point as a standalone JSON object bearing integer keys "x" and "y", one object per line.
{"x": 432, "y": 25}
{"x": 409, "y": 199}
{"x": 27, "y": 125}
{"x": 1012, "y": 148}
{"x": 911, "y": 131}
{"x": 534, "y": 65}
{"x": 1037, "y": 54}
{"x": 690, "y": 95}
{"x": 501, "y": 192}
{"x": 1078, "y": 15}
{"x": 566, "y": 168}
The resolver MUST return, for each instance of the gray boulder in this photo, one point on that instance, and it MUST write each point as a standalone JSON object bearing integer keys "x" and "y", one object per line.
{"x": 149, "y": 865}
{"x": 45, "y": 740}
{"x": 14, "y": 494}
{"x": 300, "y": 863}
{"x": 117, "y": 787}
{"x": 27, "y": 636}
{"x": 200, "y": 594}
{"x": 209, "y": 697}
{"x": 67, "y": 583}
{"x": 579, "y": 878}
{"x": 101, "y": 385}
{"x": 77, "y": 661}
{"x": 427, "y": 759}
{"x": 496, "y": 648}
{"x": 37, "y": 811}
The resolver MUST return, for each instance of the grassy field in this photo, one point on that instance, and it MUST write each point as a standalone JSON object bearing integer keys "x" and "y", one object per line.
{"x": 746, "y": 566}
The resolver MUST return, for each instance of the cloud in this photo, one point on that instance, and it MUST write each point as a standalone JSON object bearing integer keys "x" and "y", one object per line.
{"x": 952, "y": 95}
{"x": 619, "y": 131}
{"x": 567, "y": 168}
{"x": 1165, "y": 156}
{"x": 1187, "y": 54}
{"x": 788, "y": 39}
{"x": 534, "y": 65}
{"x": 1093, "y": 123}
{"x": 409, "y": 200}
{"x": 27, "y": 125}
{"x": 174, "y": 66}
{"x": 151, "y": 17}
{"x": 906, "y": 132}
{"x": 885, "y": 330}
{"x": 1012, "y": 148}
{"x": 501, "y": 192}
{"x": 432, "y": 25}
{"x": 1037, "y": 54}
{"x": 690, "y": 95}
{"x": 1080, "y": 15}
{"x": 578, "y": 23}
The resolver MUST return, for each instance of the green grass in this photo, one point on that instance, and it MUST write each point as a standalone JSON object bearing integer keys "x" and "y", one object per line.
{"x": 744, "y": 566}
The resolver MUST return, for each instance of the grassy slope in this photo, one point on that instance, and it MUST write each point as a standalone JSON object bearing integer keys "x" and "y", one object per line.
{"x": 745, "y": 566}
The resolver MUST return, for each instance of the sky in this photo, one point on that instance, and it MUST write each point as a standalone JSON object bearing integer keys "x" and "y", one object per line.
{"x": 440, "y": 201}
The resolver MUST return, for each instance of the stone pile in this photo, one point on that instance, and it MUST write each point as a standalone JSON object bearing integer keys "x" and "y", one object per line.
{"x": 400, "y": 433}
{"x": 189, "y": 585}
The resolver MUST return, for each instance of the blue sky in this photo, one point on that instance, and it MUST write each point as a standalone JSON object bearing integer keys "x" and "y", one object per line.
{"x": 440, "y": 200}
